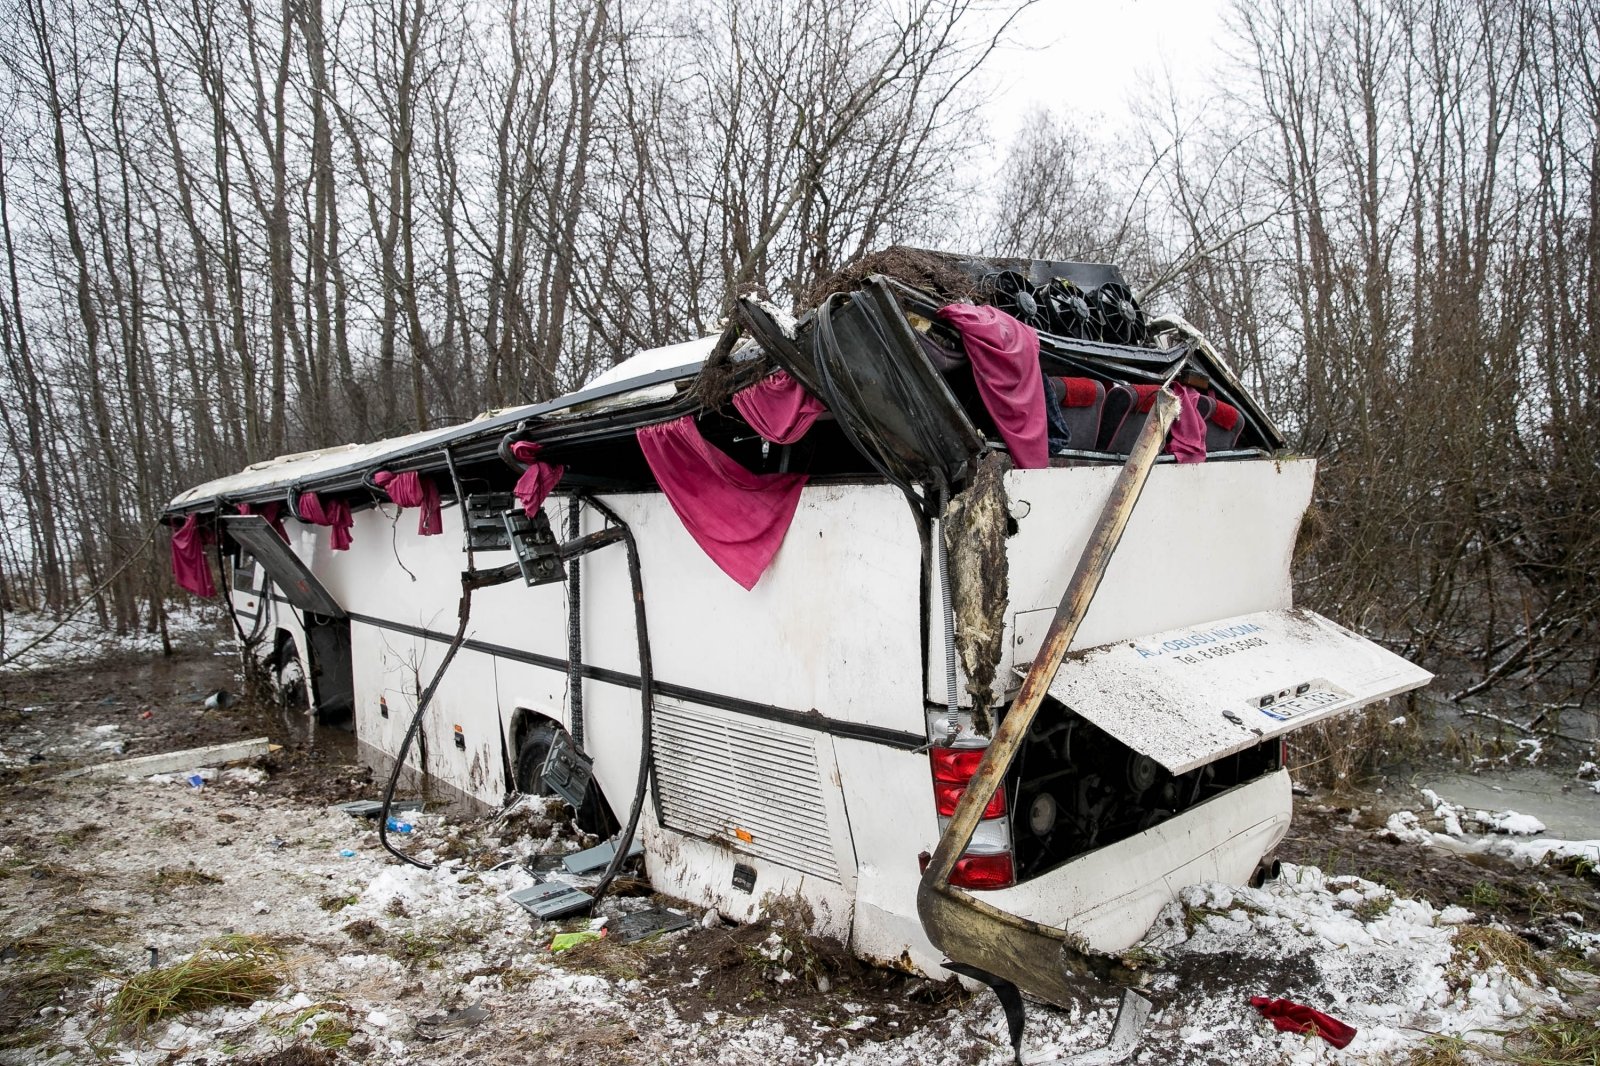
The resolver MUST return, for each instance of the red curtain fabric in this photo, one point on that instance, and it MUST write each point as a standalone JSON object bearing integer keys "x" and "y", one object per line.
{"x": 778, "y": 407}
{"x": 189, "y": 565}
{"x": 1005, "y": 361}
{"x": 335, "y": 514}
{"x": 739, "y": 519}
{"x": 1288, "y": 1016}
{"x": 411, "y": 489}
{"x": 539, "y": 480}
{"x": 1188, "y": 440}
{"x": 272, "y": 512}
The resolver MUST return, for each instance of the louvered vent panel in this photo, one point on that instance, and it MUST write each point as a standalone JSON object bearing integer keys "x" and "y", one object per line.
{"x": 716, "y": 776}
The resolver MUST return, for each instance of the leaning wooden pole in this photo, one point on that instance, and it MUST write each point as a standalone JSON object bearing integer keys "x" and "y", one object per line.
{"x": 1041, "y": 960}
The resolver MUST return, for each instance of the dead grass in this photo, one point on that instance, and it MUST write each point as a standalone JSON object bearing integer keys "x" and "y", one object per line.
{"x": 620, "y": 962}
{"x": 1194, "y": 917}
{"x": 414, "y": 946}
{"x": 1554, "y": 1040}
{"x": 331, "y": 1025}
{"x": 1371, "y": 909}
{"x": 1444, "y": 1051}
{"x": 171, "y": 878}
{"x": 1557, "y": 1040}
{"x": 59, "y": 877}
{"x": 47, "y": 966}
{"x": 1478, "y": 947}
{"x": 232, "y": 969}
{"x": 1338, "y": 754}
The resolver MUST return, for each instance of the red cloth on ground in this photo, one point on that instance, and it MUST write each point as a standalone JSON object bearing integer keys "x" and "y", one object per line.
{"x": 334, "y": 514}
{"x": 1290, "y": 1017}
{"x": 272, "y": 512}
{"x": 778, "y": 407}
{"x": 411, "y": 489}
{"x": 1225, "y": 415}
{"x": 1081, "y": 392}
{"x": 536, "y": 482}
{"x": 738, "y": 518}
{"x": 189, "y": 566}
{"x": 1188, "y": 440}
{"x": 1005, "y": 361}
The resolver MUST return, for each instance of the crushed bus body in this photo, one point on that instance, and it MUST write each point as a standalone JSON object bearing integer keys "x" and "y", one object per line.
{"x": 772, "y": 602}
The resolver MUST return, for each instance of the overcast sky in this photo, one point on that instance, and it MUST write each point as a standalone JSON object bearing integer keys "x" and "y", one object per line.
{"x": 1101, "y": 56}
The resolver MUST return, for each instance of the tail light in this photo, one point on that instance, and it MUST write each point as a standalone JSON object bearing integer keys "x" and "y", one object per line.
{"x": 983, "y": 871}
{"x": 953, "y": 768}
{"x": 987, "y": 861}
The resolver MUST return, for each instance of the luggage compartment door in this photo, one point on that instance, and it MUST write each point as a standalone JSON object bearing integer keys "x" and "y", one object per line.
{"x": 1188, "y": 697}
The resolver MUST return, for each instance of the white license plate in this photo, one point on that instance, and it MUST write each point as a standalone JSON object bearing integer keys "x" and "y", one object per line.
{"x": 1311, "y": 700}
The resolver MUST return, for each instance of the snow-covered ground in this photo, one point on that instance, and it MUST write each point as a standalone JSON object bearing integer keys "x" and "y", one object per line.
{"x": 386, "y": 962}
{"x": 38, "y": 641}
{"x": 373, "y": 947}
{"x": 1507, "y": 834}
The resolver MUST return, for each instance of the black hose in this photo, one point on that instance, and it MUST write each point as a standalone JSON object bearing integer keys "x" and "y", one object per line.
{"x": 463, "y": 614}
{"x": 646, "y": 705}
{"x": 464, "y": 611}
{"x": 575, "y": 622}
{"x": 258, "y": 629}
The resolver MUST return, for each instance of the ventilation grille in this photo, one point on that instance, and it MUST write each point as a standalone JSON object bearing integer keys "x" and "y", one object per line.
{"x": 717, "y": 778}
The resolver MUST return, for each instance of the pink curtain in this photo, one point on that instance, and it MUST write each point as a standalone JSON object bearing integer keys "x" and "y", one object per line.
{"x": 189, "y": 566}
{"x": 411, "y": 489}
{"x": 738, "y": 518}
{"x": 1188, "y": 441}
{"x": 539, "y": 480}
{"x": 333, "y": 513}
{"x": 778, "y": 407}
{"x": 1005, "y": 361}
{"x": 272, "y": 512}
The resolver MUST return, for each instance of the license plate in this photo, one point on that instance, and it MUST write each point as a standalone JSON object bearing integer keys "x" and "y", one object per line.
{"x": 1314, "y": 699}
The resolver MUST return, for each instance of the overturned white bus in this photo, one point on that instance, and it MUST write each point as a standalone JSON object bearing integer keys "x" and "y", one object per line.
{"x": 779, "y": 592}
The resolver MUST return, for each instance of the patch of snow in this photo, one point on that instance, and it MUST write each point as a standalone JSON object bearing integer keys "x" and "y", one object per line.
{"x": 30, "y": 644}
{"x": 1511, "y": 822}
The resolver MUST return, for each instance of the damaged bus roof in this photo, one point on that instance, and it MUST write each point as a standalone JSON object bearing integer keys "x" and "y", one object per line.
{"x": 872, "y": 348}
{"x": 656, "y": 372}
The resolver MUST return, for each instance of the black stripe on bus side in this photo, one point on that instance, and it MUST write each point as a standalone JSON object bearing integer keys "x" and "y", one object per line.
{"x": 837, "y": 727}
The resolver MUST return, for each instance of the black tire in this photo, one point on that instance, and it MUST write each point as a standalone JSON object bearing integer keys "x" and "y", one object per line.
{"x": 289, "y": 679}
{"x": 532, "y": 749}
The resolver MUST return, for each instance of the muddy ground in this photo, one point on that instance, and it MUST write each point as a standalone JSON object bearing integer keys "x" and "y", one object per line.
{"x": 374, "y": 961}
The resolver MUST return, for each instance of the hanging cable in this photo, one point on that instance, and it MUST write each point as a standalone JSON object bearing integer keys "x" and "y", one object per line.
{"x": 646, "y": 705}
{"x": 942, "y": 550}
{"x": 575, "y": 622}
{"x": 425, "y": 697}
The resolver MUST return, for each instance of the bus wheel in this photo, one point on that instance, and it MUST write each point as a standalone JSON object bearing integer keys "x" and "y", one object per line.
{"x": 595, "y": 815}
{"x": 289, "y": 680}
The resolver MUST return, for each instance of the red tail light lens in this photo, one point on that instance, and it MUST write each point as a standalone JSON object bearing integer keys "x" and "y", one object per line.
{"x": 955, "y": 764}
{"x": 952, "y": 769}
{"x": 983, "y": 871}
{"x": 947, "y": 795}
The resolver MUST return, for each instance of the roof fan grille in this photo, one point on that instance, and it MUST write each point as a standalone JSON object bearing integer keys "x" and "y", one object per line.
{"x": 1121, "y": 320}
{"x": 1011, "y": 293}
{"x": 1068, "y": 311}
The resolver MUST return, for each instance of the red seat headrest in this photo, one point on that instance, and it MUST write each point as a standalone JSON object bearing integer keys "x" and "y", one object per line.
{"x": 1079, "y": 392}
{"x": 1225, "y": 415}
